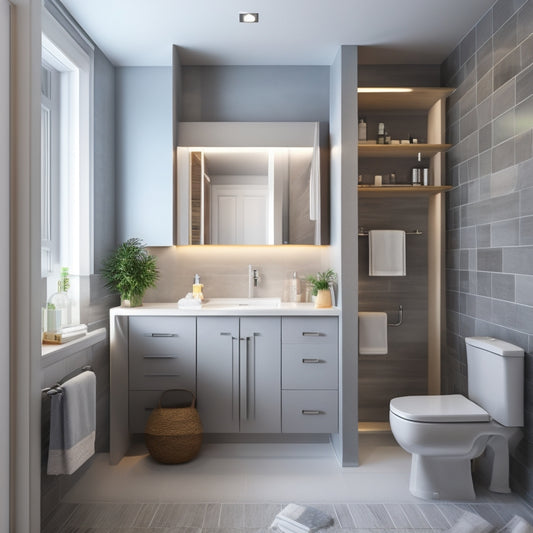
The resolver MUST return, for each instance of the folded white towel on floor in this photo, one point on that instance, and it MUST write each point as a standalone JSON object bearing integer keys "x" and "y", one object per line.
{"x": 471, "y": 523}
{"x": 517, "y": 525}
{"x": 386, "y": 253}
{"x": 296, "y": 518}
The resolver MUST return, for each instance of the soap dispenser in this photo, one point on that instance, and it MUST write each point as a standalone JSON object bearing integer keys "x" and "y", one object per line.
{"x": 197, "y": 288}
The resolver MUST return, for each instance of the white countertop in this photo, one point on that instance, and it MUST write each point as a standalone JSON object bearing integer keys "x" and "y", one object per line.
{"x": 171, "y": 309}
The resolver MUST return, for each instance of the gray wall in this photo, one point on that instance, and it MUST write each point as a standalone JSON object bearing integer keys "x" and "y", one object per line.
{"x": 403, "y": 371}
{"x": 144, "y": 154}
{"x": 490, "y": 209}
{"x": 255, "y": 93}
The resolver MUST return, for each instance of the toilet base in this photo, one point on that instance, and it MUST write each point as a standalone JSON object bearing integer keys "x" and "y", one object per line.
{"x": 441, "y": 478}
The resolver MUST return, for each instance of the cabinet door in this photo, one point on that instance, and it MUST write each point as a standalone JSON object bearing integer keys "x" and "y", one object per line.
{"x": 217, "y": 373}
{"x": 260, "y": 374}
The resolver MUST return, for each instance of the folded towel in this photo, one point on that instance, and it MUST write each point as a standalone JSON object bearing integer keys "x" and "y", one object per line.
{"x": 517, "y": 525}
{"x": 471, "y": 523}
{"x": 72, "y": 424}
{"x": 189, "y": 302}
{"x": 372, "y": 333}
{"x": 386, "y": 253}
{"x": 301, "y": 519}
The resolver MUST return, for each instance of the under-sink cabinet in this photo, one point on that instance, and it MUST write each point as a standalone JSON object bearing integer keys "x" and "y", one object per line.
{"x": 238, "y": 374}
{"x": 251, "y": 374}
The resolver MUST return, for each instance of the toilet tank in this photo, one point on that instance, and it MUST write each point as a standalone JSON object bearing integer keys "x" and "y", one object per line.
{"x": 496, "y": 378}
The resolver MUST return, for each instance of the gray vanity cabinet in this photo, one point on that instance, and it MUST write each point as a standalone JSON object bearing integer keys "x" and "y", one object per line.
{"x": 239, "y": 374}
{"x": 310, "y": 375}
{"x": 162, "y": 355}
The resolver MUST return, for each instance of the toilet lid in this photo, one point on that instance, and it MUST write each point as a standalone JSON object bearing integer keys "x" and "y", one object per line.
{"x": 447, "y": 408}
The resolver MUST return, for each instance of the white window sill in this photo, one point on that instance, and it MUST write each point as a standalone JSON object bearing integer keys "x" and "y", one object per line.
{"x": 52, "y": 353}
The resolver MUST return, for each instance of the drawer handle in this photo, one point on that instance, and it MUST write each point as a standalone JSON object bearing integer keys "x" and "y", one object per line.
{"x": 160, "y": 356}
{"x": 161, "y": 375}
{"x": 163, "y": 335}
{"x": 311, "y": 333}
{"x": 312, "y": 412}
{"x": 149, "y": 408}
{"x": 307, "y": 360}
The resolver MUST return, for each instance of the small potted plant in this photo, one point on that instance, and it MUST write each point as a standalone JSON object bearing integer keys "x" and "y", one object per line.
{"x": 321, "y": 284}
{"x": 130, "y": 270}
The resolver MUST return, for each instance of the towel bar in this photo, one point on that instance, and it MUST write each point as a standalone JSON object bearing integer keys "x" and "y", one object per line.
{"x": 400, "y": 318}
{"x": 56, "y": 389}
{"x": 364, "y": 232}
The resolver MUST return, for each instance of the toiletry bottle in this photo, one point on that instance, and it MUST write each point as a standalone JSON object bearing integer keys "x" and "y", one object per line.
{"x": 387, "y": 137}
{"x": 294, "y": 288}
{"x": 362, "y": 129}
{"x": 197, "y": 288}
{"x": 420, "y": 173}
{"x": 381, "y": 133}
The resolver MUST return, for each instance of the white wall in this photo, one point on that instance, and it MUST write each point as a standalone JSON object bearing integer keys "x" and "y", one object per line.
{"x": 4, "y": 265}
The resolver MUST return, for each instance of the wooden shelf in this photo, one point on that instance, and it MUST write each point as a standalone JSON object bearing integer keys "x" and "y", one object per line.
{"x": 419, "y": 98}
{"x": 369, "y": 191}
{"x": 401, "y": 150}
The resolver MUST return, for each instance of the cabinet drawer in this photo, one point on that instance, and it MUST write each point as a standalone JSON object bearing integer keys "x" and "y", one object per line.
{"x": 142, "y": 403}
{"x": 312, "y": 330}
{"x": 162, "y": 353}
{"x": 306, "y": 366}
{"x": 310, "y": 411}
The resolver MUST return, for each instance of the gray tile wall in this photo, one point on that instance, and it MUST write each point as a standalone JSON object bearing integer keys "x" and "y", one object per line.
{"x": 489, "y": 255}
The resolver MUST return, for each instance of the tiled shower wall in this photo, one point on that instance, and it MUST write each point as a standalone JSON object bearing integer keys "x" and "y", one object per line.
{"x": 490, "y": 209}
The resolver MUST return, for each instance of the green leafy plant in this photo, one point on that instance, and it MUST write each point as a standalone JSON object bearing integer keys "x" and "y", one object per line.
{"x": 130, "y": 270}
{"x": 322, "y": 280}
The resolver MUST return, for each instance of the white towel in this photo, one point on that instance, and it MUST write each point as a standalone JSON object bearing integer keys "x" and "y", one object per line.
{"x": 471, "y": 523}
{"x": 517, "y": 525}
{"x": 372, "y": 333}
{"x": 72, "y": 424}
{"x": 386, "y": 253}
{"x": 296, "y": 518}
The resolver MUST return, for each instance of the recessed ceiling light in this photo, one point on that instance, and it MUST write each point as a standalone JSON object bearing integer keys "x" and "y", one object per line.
{"x": 384, "y": 90}
{"x": 249, "y": 17}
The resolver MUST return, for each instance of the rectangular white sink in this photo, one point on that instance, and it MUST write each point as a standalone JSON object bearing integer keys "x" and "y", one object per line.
{"x": 241, "y": 303}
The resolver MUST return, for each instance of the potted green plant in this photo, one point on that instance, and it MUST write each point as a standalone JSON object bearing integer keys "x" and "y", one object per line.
{"x": 130, "y": 270}
{"x": 321, "y": 284}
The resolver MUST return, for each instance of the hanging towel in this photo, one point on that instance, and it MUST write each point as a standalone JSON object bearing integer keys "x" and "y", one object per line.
{"x": 296, "y": 518}
{"x": 386, "y": 252}
{"x": 72, "y": 424}
{"x": 373, "y": 333}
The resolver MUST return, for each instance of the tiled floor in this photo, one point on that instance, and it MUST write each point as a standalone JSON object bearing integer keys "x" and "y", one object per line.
{"x": 239, "y": 488}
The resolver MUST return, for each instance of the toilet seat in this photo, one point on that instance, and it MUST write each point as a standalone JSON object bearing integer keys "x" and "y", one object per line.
{"x": 440, "y": 409}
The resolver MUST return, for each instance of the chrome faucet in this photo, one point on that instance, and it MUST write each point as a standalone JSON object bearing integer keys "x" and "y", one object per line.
{"x": 253, "y": 280}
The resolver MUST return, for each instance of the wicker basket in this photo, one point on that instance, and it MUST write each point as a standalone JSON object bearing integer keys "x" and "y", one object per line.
{"x": 174, "y": 434}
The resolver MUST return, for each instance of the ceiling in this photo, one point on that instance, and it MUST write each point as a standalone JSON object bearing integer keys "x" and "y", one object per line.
{"x": 289, "y": 32}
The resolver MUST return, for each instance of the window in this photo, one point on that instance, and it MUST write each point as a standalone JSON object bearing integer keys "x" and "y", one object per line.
{"x": 66, "y": 159}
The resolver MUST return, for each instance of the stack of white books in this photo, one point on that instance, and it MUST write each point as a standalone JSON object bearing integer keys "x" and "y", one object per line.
{"x": 296, "y": 518}
{"x": 66, "y": 334}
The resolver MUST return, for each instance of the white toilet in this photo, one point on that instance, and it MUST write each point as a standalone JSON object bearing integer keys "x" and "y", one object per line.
{"x": 443, "y": 433}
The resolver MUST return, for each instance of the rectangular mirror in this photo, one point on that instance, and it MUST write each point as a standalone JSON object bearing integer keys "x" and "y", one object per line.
{"x": 249, "y": 183}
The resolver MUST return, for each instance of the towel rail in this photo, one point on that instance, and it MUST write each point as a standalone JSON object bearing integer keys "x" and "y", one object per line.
{"x": 56, "y": 389}
{"x": 364, "y": 232}
{"x": 400, "y": 318}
